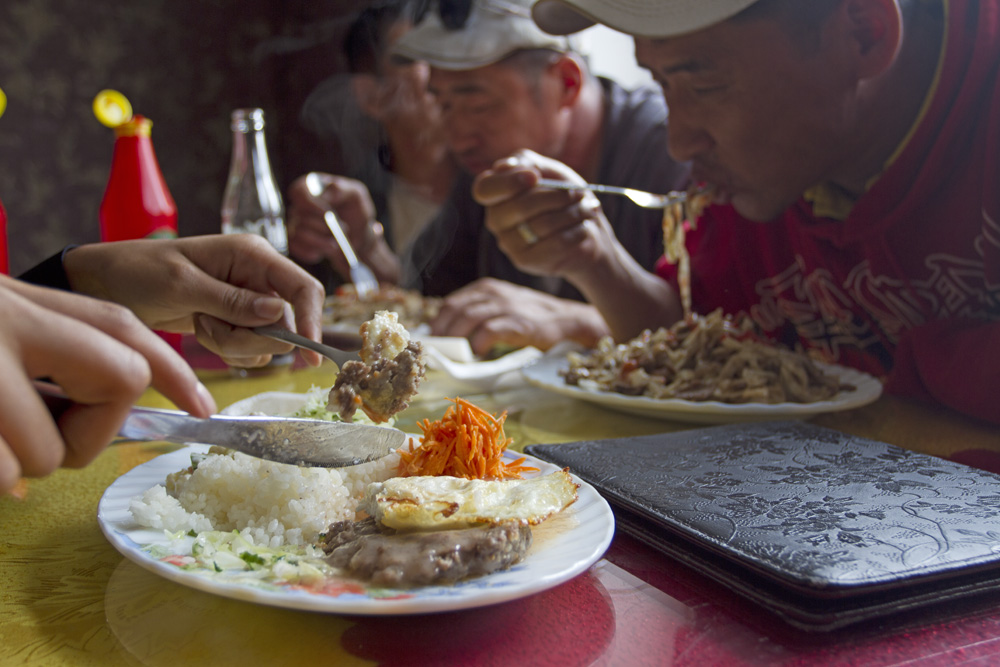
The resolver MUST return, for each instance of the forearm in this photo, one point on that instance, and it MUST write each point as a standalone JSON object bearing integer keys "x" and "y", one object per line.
{"x": 629, "y": 298}
{"x": 966, "y": 378}
{"x": 83, "y": 266}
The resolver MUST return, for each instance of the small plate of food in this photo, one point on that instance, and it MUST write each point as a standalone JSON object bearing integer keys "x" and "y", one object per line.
{"x": 709, "y": 370}
{"x": 344, "y": 312}
{"x": 348, "y": 540}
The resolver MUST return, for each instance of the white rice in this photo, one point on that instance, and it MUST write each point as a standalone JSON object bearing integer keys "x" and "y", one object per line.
{"x": 270, "y": 504}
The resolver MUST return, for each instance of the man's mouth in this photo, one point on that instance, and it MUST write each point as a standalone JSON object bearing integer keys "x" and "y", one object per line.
{"x": 473, "y": 163}
{"x": 721, "y": 190}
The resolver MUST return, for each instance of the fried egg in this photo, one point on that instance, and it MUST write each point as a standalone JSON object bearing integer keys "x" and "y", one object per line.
{"x": 442, "y": 502}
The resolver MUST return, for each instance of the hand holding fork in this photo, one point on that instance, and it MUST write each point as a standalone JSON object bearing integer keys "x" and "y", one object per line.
{"x": 362, "y": 276}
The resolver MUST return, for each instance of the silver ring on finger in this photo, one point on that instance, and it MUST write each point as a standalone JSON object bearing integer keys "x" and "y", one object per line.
{"x": 527, "y": 234}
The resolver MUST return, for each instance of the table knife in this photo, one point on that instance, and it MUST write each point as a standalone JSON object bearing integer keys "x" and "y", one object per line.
{"x": 305, "y": 442}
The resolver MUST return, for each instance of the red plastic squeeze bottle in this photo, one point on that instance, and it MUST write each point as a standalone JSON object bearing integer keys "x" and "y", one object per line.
{"x": 137, "y": 203}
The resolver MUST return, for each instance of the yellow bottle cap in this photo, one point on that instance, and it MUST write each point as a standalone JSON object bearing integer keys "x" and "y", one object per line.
{"x": 3, "y": 102}
{"x": 112, "y": 108}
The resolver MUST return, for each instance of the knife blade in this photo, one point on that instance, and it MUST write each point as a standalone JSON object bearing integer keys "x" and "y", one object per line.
{"x": 304, "y": 442}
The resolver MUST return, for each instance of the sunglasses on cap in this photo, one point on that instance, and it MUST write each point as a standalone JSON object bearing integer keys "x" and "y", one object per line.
{"x": 454, "y": 14}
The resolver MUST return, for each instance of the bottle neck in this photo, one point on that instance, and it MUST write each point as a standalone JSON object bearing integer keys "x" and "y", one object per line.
{"x": 252, "y": 201}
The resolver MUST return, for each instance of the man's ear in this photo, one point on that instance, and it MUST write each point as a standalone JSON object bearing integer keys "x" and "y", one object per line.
{"x": 365, "y": 88}
{"x": 875, "y": 30}
{"x": 570, "y": 76}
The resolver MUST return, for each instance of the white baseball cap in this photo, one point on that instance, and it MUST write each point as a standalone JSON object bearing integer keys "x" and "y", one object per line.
{"x": 642, "y": 18}
{"x": 493, "y": 30}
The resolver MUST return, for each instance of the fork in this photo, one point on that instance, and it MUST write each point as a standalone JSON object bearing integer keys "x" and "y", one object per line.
{"x": 639, "y": 197}
{"x": 334, "y": 354}
{"x": 364, "y": 280}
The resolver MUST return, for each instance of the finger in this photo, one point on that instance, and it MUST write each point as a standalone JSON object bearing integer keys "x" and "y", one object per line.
{"x": 469, "y": 319}
{"x": 102, "y": 375}
{"x": 498, "y": 330}
{"x": 10, "y": 467}
{"x": 30, "y": 443}
{"x": 494, "y": 187}
{"x": 547, "y": 224}
{"x": 306, "y": 245}
{"x": 88, "y": 429}
{"x": 310, "y": 246}
{"x": 458, "y": 302}
{"x": 237, "y": 346}
{"x": 251, "y": 280}
{"x": 170, "y": 374}
{"x": 302, "y": 201}
{"x": 537, "y": 203}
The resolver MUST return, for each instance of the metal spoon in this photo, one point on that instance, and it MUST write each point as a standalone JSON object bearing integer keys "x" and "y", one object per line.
{"x": 363, "y": 278}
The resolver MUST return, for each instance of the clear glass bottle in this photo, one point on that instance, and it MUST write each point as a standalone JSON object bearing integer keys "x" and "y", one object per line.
{"x": 252, "y": 202}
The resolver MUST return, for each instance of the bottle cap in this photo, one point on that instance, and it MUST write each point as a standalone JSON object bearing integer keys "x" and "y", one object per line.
{"x": 112, "y": 108}
{"x": 245, "y": 120}
{"x": 137, "y": 126}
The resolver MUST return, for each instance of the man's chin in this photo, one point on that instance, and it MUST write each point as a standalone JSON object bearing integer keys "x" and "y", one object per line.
{"x": 475, "y": 167}
{"x": 754, "y": 209}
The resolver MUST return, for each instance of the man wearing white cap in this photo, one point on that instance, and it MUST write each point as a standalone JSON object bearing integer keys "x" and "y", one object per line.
{"x": 504, "y": 85}
{"x": 855, "y": 149}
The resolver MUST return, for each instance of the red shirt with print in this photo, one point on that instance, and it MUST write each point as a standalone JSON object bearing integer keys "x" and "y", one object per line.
{"x": 908, "y": 286}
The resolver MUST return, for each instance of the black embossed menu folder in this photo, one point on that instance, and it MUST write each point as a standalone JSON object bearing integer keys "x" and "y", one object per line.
{"x": 822, "y": 528}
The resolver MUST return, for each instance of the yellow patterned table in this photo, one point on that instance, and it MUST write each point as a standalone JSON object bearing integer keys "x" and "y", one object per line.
{"x": 68, "y": 598}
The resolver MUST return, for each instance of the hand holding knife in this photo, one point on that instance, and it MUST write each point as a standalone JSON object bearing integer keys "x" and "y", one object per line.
{"x": 306, "y": 442}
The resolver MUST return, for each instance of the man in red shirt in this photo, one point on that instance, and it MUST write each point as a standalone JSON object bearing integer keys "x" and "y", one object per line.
{"x": 854, "y": 146}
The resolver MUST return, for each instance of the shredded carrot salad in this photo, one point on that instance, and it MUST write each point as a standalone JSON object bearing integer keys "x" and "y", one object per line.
{"x": 467, "y": 442}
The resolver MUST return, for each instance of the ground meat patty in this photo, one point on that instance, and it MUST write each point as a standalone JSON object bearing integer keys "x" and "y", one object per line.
{"x": 422, "y": 558}
{"x": 381, "y": 389}
{"x": 344, "y": 532}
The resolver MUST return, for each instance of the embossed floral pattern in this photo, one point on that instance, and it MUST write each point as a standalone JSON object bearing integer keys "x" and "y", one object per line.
{"x": 808, "y": 504}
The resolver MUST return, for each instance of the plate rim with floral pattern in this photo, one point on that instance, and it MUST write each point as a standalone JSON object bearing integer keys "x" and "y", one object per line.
{"x": 551, "y": 564}
{"x": 545, "y": 374}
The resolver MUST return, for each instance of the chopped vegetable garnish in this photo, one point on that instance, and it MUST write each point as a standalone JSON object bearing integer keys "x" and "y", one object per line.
{"x": 467, "y": 442}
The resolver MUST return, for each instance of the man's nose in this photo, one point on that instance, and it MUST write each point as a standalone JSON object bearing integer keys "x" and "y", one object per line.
{"x": 460, "y": 136}
{"x": 686, "y": 137}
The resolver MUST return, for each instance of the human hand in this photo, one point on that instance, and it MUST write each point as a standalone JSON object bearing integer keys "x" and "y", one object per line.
{"x": 100, "y": 354}
{"x": 490, "y": 312}
{"x": 215, "y": 286}
{"x": 544, "y": 232}
{"x": 310, "y": 240}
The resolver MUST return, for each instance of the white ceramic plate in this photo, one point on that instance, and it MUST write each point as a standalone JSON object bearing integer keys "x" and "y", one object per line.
{"x": 564, "y": 546}
{"x": 545, "y": 373}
